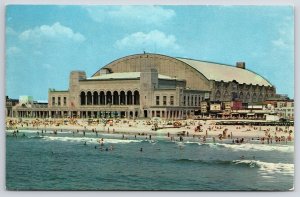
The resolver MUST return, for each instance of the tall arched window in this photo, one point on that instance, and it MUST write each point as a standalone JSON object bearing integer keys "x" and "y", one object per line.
{"x": 116, "y": 98}
{"x": 82, "y": 98}
{"x": 129, "y": 98}
{"x": 102, "y": 98}
{"x": 136, "y": 97}
{"x": 89, "y": 98}
{"x": 108, "y": 97}
{"x": 122, "y": 98}
{"x": 95, "y": 98}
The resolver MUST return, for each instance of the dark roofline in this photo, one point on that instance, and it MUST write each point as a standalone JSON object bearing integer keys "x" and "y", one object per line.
{"x": 58, "y": 90}
{"x": 137, "y": 78}
{"x": 128, "y": 57}
{"x": 206, "y": 61}
{"x": 108, "y": 79}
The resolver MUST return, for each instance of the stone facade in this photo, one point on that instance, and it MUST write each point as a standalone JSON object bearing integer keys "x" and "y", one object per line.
{"x": 149, "y": 85}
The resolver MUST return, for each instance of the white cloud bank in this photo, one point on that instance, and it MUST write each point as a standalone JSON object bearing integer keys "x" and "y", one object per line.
{"x": 141, "y": 14}
{"x": 55, "y": 31}
{"x": 285, "y": 38}
{"x": 153, "y": 40}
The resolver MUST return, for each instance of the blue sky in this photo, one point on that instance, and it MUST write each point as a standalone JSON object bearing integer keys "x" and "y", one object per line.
{"x": 45, "y": 43}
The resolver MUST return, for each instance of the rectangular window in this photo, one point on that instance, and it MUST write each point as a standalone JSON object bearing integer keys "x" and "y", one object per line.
{"x": 58, "y": 102}
{"x": 199, "y": 101}
{"x": 192, "y": 100}
{"x": 171, "y": 100}
{"x": 164, "y": 100}
{"x": 184, "y": 101}
{"x": 157, "y": 100}
{"x": 53, "y": 100}
{"x": 65, "y": 100}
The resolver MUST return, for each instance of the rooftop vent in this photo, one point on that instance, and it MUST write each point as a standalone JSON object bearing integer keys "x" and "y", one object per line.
{"x": 241, "y": 65}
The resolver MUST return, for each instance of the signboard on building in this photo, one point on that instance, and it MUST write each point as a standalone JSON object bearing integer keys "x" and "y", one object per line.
{"x": 237, "y": 105}
{"x": 215, "y": 107}
{"x": 206, "y": 95}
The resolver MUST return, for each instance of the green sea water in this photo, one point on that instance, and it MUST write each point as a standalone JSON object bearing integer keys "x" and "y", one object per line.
{"x": 68, "y": 161}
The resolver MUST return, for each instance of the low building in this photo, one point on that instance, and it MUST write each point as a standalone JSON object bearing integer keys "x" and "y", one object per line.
{"x": 285, "y": 109}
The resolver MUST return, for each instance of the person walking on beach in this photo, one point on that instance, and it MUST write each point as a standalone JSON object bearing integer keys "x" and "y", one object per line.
{"x": 180, "y": 138}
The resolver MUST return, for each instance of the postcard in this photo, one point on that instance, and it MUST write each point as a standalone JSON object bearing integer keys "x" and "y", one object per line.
{"x": 149, "y": 97}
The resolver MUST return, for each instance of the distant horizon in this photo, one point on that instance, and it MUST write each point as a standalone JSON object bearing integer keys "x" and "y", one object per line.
{"x": 42, "y": 51}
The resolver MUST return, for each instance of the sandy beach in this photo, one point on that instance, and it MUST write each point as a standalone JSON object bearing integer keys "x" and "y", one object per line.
{"x": 198, "y": 128}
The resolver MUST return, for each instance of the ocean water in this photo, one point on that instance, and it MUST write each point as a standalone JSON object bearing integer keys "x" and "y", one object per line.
{"x": 65, "y": 162}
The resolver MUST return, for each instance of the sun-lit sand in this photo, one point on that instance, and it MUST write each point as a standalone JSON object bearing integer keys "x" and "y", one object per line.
{"x": 190, "y": 127}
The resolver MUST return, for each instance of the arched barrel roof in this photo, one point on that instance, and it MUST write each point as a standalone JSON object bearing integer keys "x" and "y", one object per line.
{"x": 203, "y": 69}
{"x": 226, "y": 73}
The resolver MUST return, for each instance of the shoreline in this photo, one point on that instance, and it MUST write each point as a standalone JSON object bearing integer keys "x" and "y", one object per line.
{"x": 206, "y": 128}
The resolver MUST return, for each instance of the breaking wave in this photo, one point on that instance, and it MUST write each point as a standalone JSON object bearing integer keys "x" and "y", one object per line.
{"x": 264, "y": 168}
{"x": 267, "y": 168}
{"x": 257, "y": 147}
{"x": 89, "y": 140}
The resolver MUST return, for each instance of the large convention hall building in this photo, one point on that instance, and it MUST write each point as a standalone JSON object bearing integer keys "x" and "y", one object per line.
{"x": 154, "y": 85}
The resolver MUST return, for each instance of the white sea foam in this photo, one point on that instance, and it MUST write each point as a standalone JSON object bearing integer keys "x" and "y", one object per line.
{"x": 266, "y": 168}
{"x": 180, "y": 143}
{"x": 21, "y": 131}
{"x": 258, "y": 147}
{"x": 188, "y": 142}
{"x": 89, "y": 140}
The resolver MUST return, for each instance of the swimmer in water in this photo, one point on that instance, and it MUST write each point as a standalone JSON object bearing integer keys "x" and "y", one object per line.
{"x": 85, "y": 143}
{"x": 141, "y": 149}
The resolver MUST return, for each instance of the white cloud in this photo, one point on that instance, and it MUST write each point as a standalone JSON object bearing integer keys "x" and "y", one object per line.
{"x": 10, "y": 31}
{"x": 279, "y": 42}
{"x": 136, "y": 14}
{"x": 285, "y": 39}
{"x": 13, "y": 50}
{"x": 153, "y": 40}
{"x": 55, "y": 31}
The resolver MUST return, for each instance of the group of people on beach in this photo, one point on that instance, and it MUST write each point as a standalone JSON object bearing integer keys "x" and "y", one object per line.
{"x": 204, "y": 130}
